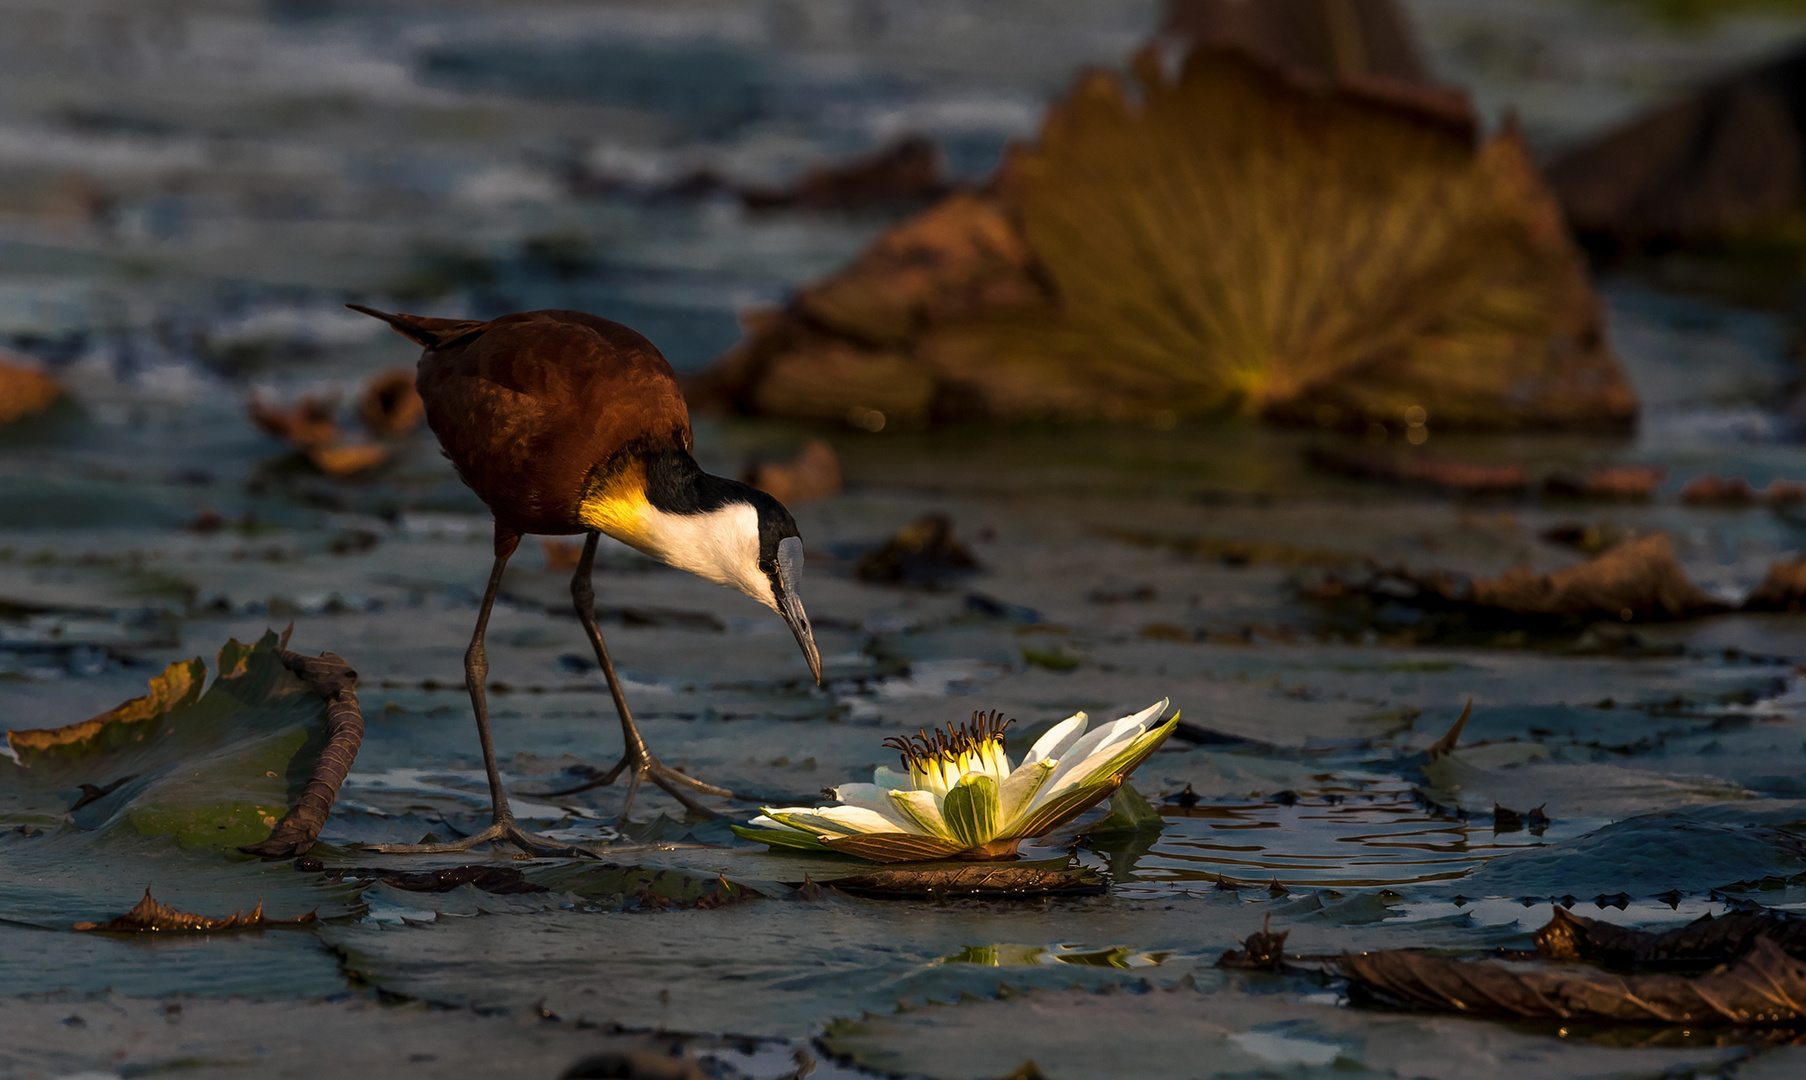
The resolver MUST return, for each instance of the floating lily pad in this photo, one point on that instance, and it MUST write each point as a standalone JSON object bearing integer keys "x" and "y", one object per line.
{"x": 1217, "y": 1030}
{"x": 220, "y": 768}
{"x": 1643, "y": 856}
{"x": 765, "y": 968}
{"x": 117, "y": 1035}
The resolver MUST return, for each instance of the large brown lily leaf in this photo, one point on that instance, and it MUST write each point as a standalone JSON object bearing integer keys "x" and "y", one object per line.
{"x": 1240, "y": 236}
{"x": 1235, "y": 237}
{"x": 255, "y": 760}
{"x": 1766, "y": 986}
{"x": 1705, "y": 940}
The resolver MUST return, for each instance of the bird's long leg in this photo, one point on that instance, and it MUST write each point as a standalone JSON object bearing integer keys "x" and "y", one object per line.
{"x": 476, "y": 675}
{"x": 636, "y": 758}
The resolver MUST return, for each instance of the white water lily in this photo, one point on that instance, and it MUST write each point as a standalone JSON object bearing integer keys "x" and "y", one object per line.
{"x": 958, "y": 796}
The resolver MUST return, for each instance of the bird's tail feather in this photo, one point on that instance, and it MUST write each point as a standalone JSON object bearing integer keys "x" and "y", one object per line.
{"x": 430, "y": 332}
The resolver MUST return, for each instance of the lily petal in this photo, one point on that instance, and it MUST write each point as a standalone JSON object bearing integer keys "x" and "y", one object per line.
{"x": 1058, "y": 738}
{"x": 833, "y": 820}
{"x": 1019, "y": 790}
{"x": 1105, "y": 738}
{"x": 923, "y": 811}
{"x": 970, "y": 809}
{"x": 876, "y": 799}
{"x": 764, "y": 830}
{"x": 1115, "y": 760}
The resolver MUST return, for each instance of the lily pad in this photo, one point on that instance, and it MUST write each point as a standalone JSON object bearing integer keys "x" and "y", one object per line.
{"x": 765, "y": 968}
{"x": 257, "y": 756}
{"x": 1643, "y": 857}
{"x": 118, "y": 1035}
{"x": 1219, "y": 1030}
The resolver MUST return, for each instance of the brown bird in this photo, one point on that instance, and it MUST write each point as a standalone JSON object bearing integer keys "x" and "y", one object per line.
{"x": 567, "y": 423}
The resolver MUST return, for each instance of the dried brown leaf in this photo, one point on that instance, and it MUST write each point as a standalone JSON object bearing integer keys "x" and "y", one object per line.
{"x": 152, "y": 915}
{"x": 389, "y": 405}
{"x": 1262, "y": 951}
{"x": 24, "y": 390}
{"x": 1705, "y": 940}
{"x": 812, "y": 474}
{"x": 1766, "y": 986}
{"x": 347, "y": 459}
{"x": 306, "y": 424}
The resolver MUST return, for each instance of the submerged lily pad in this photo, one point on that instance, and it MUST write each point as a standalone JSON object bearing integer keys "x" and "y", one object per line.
{"x": 1643, "y": 856}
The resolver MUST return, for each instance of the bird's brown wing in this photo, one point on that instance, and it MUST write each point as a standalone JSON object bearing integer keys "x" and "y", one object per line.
{"x": 530, "y": 405}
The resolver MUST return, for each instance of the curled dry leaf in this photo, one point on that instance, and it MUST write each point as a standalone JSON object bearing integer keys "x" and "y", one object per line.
{"x": 812, "y": 474}
{"x": 908, "y": 170}
{"x": 1705, "y": 940}
{"x": 306, "y": 424}
{"x": 1641, "y": 577}
{"x": 1422, "y": 469}
{"x": 389, "y": 404}
{"x": 1718, "y": 491}
{"x": 1783, "y": 589}
{"x": 924, "y": 552}
{"x": 150, "y": 914}
{"x": 1262, "y": 951}
{"x": 994, "y": 881}
{"x": 24, "y": 389}
{"x": 1764, "y": 987}
{"x": 1636, "y": 581}
{"x": 347, "y": 459}
{"x": 1622, "y": 483}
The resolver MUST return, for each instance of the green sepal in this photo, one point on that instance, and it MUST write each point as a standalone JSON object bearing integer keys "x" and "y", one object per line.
{"x": 970, "y": 809}
{"x": 789, "y": 838}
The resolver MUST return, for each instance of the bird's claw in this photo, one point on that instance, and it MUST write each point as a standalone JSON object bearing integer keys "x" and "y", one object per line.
{"x": 644, "y": 767}
{"x": 502, "y": 831}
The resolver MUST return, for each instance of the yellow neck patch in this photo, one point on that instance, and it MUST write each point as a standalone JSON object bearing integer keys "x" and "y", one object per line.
{"x": 619, "y": 507}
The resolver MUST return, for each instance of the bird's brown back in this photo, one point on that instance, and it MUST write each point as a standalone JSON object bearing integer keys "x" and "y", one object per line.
{"x": 528, "y": 406}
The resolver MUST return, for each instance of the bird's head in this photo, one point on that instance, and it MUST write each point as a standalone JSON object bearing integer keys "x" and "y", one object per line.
{"x": 728, "y": 532}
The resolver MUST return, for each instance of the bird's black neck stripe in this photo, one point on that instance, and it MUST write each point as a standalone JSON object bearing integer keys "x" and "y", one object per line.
{"x": 675, "y": 484}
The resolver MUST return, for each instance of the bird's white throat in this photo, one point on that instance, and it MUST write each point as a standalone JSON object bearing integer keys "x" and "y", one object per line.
{"x": 720, "y": 545}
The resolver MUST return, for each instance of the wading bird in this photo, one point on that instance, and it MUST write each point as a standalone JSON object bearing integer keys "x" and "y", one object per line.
{"x": 567, "y": 423}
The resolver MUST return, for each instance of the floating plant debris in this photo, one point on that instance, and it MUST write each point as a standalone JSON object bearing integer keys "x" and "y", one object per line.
{"x": 24, "y": 389}
{"x": 813, "y": 474}
{"x": 152, "y": 915}
{"x": 1636, "y": 581}
{"x": 1707, "y": 939}
{"x": 924, "y": 553}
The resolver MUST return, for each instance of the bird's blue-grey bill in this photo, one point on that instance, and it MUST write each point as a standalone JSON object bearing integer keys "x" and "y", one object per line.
{"x": 790, "y": 565}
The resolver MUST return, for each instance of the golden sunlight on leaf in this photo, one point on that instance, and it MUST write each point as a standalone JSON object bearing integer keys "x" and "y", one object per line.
{"x": 1233, "y": 238}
